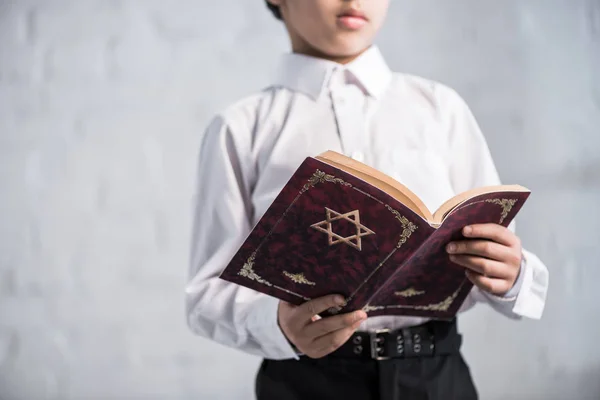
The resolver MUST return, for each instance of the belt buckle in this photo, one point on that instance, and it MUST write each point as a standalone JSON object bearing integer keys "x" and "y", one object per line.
{"x": 374, "y": 344}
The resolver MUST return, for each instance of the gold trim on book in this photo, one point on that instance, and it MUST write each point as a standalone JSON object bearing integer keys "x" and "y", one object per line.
{"x": 321, "y": 177}
{"x": 290, "y": 292}
{"x": 443, "y": 305}
{"x": 249, "y": 273}
{"x": 410, "y": 292}
{"x": 355, "y": 240}
{"x": 369, "y": 308}
{"x": 506, "y": 204}
{"x": 298, "y": 278}
{"x": 408, "y": 227}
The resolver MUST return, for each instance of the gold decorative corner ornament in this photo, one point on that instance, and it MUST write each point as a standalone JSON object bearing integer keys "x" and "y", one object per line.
{"x": 506, "y": 204}
{"x": 408, "y": 228}
{"x": 249, "y": 273}
{"x": 321, "y": 177}
{"x": 410, "y": 292}
{"x": 298, "y": 278}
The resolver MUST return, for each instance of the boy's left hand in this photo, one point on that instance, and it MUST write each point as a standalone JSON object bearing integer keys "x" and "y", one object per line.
{"x": 492, "y": 255}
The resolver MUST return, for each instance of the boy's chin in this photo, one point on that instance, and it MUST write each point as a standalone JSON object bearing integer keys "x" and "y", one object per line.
{"x": 347, "y": 49}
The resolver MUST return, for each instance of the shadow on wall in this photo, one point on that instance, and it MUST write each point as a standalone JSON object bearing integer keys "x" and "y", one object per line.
{"x": 580, "y": 384}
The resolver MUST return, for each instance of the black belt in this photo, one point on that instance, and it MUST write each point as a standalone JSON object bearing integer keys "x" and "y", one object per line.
{"x": 427, "y": 340}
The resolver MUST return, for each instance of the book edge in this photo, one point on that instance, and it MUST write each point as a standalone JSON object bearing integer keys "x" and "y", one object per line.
{"x": 456, "y": 201}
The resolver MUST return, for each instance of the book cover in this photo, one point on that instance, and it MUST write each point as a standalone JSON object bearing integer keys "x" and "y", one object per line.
{"x": 329, "y": 232}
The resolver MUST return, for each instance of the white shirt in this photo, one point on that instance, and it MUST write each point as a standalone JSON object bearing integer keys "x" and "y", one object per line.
{"x": 417, "y": 131}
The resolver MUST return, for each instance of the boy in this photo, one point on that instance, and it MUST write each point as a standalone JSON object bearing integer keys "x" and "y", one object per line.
{"x": 335, "y": 92}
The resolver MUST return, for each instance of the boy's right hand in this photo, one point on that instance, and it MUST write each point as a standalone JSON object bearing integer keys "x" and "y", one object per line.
{"x": 317, "y": 337}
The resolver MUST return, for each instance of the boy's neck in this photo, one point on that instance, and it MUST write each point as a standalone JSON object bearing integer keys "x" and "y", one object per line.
{"x": 337, "y": 59}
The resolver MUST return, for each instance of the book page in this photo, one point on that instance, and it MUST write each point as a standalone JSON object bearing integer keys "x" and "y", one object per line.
{"x": 379, "y": 180}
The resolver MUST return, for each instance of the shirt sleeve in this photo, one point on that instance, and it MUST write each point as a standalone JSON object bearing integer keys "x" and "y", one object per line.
{"x": 224, "y": 312}
{"x": 471, "y": 166}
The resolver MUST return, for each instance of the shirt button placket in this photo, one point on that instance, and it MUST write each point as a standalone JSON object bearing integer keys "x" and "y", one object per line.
{"x": 347, "y": 104}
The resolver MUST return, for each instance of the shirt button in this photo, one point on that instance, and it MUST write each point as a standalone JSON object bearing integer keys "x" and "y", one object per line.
{"x": 358, "y": 156}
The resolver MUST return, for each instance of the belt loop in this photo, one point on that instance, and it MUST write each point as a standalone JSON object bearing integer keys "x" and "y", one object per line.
{"x": 408, "y": 341}
{"x": 446, "y": 335}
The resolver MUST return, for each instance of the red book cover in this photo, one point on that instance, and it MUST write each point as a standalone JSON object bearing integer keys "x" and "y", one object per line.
{"x": 333, "y": 231}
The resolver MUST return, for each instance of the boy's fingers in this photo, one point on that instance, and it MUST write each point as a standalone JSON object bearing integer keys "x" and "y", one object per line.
{"x": 494, "y": 232}
{"x": 483, "y": 248}
{"x": 285, "y": 306}
{"x": 334, "y": 323}
{"x": 316, "y": 306}
{"x": 491, "y": 285}
{"x": 483, "y": 266}
{"x": 327, "y": 344}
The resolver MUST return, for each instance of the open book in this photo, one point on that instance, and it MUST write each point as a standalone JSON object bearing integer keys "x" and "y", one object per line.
{"x": 341, "y": 227}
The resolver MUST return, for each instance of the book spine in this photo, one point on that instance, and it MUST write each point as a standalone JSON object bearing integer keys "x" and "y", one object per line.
{"x": 421, "y": 248}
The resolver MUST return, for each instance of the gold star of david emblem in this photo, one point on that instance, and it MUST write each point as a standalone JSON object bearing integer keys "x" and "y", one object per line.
{"x": 353, "y": 217}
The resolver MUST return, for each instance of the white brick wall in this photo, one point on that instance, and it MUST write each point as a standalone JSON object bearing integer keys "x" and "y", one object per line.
{"x": 102, "y": 108}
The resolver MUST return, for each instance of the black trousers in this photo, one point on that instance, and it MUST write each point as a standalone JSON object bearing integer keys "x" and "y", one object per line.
{"x": 444, "y": 377}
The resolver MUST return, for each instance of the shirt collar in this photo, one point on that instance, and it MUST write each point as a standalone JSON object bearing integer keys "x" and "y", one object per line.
{"x": 310, "y": 75}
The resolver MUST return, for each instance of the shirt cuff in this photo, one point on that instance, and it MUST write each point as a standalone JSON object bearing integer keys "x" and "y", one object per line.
{"x": 528, "y": 295}
{"x": 265, "y": 329}
{"x": 531, "y": 299}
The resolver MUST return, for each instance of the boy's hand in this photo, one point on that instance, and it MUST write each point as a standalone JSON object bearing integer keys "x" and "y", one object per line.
{"x": 492, "y": 256}
{"x": 313, "y": 336}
